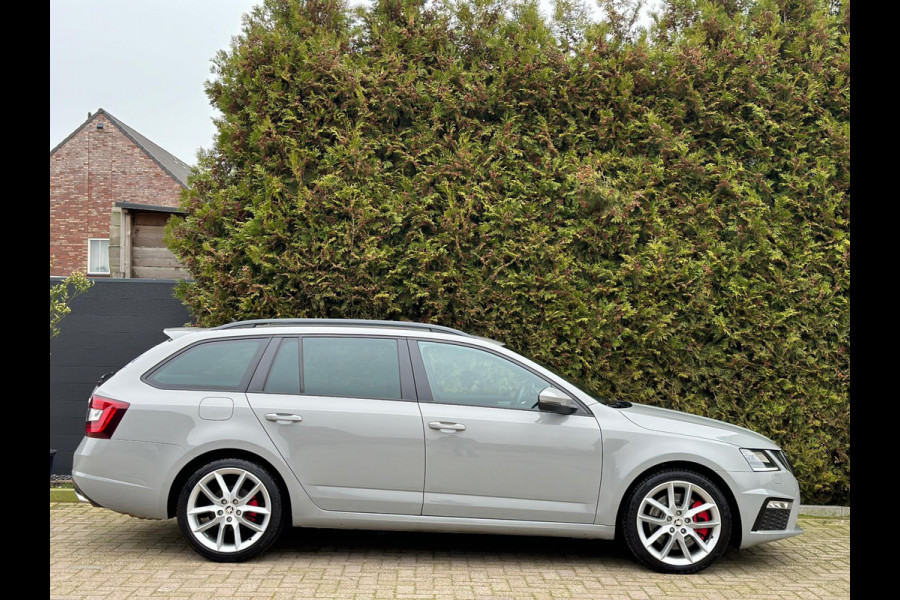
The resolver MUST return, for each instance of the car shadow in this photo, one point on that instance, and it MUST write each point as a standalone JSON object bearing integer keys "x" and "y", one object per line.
{"x": 505, "y": 548}
{"x": 295, "y": 542}
{"x": 429, "y": 544}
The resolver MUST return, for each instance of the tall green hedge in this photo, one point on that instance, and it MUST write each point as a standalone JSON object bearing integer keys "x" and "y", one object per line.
{"x": 663, "y": 216}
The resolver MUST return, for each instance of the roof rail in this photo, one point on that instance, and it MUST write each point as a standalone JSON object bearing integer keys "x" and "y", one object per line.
{"x": 341, "y": 323}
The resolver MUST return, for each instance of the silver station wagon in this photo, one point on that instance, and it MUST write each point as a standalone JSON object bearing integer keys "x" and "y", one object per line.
{"x": 241, "y": 430}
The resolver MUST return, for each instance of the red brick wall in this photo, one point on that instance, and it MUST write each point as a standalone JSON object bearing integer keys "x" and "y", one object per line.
{"x": 88, "y": 174}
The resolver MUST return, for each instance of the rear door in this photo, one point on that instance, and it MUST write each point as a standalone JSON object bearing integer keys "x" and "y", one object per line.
{"x": 341, "y": 409}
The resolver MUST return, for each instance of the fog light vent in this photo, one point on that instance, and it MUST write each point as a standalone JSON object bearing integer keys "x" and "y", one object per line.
{"x": 773, "y": 516}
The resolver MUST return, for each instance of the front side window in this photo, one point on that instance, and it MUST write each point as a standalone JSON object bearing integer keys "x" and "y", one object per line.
{"x": 98, "y": 256}
{"x": 464, "y": 375}
{"x": 350, "y": 367}
{"x": 220, "y": 365}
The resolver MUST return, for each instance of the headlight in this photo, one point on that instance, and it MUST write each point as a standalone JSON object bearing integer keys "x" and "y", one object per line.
{"x": 781, "y": 457}
{"x": 760, "y": 460}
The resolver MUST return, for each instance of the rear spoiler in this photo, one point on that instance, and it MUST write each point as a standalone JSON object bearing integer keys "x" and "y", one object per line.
{"x": 176, "y": 332}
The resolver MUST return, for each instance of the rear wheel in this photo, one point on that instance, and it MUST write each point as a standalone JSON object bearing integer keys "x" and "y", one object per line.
{"x": 230, "y": 510}
{"x": 677, "y": 522}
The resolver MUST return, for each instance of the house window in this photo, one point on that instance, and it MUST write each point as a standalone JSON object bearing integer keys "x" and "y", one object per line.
{"x": 98, "y": 256}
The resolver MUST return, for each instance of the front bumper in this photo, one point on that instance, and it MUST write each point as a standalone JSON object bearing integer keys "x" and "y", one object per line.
{"x": 753, "y": 491}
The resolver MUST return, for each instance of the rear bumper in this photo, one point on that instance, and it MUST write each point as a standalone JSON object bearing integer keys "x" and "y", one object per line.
{"x": 132, "y": 475}
{"x": 82, "y": 497}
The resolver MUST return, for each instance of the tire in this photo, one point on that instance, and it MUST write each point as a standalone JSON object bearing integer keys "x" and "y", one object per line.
{"x": 230, "y": 510}
{"x": 664, "y": 517}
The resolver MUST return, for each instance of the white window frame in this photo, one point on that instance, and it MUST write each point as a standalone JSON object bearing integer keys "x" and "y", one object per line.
{"x": 89, "y": 272}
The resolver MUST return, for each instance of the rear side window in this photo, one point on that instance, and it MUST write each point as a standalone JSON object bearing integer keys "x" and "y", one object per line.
{"x": 284, "y": 378}
{"x": 351, "y": 367}
{"x": 220, "y": 365}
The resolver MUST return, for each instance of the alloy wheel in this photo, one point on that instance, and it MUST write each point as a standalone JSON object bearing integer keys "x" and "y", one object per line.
{"x": 679, "y": 523}
{"x": 228, "y": 510}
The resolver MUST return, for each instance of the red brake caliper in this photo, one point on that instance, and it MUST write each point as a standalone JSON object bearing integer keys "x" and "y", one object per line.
{"x": 702, "y": 516}
{"x": 252, "y": 516}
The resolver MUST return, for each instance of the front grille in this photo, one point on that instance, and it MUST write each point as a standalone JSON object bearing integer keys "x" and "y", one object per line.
{"x": 772, "y": 519}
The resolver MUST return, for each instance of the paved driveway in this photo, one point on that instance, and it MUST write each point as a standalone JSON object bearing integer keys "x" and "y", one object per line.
{"x": 98, "y": 554}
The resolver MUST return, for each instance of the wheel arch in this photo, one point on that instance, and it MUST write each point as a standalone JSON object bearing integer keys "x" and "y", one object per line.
{"x": 710, "y": 474}
{"x": 224, "y": 453}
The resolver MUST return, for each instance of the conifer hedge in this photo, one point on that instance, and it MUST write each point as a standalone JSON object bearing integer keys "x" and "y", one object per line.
{"x": 663, "y": 216}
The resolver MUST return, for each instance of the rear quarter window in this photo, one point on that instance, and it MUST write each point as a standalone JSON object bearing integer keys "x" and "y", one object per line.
{"x": 224, "y": 365}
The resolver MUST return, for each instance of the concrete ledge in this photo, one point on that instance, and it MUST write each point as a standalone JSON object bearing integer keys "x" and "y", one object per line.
{"x": 810, "y": 510}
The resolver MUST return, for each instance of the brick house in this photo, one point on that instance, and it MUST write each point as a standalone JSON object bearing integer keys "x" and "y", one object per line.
{"x": 112, "y": 191}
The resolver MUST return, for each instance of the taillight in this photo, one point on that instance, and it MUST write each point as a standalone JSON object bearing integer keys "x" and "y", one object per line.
{"x": 103, "y": 417}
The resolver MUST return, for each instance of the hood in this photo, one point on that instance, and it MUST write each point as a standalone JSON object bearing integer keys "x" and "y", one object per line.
{"x": 673, "y": 421}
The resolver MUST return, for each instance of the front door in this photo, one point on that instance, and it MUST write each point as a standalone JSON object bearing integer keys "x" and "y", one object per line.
{"x": 491, "y": 453}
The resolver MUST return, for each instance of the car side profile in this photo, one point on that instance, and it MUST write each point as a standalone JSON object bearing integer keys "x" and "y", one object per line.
{"x": 242, "y": 430}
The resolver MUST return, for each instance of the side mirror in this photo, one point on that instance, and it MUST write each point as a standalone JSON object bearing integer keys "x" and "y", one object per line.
{"x": 552, "y": 400}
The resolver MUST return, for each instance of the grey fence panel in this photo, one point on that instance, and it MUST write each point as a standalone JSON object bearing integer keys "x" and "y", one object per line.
{"x": 110, "y": 324}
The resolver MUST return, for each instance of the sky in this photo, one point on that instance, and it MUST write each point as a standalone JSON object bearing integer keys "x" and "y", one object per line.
{"x": 144, "y": 62}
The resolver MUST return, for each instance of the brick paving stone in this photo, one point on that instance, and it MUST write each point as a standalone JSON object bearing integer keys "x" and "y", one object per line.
{"x": 97, "y": 554}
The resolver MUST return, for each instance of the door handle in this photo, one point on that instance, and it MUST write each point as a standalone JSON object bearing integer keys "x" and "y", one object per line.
{"x": 283, "y": 418}
{"x": 441, "y": 426}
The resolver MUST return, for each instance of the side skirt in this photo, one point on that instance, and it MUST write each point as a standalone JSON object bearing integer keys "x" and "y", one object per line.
{"x": 347, "y": 520}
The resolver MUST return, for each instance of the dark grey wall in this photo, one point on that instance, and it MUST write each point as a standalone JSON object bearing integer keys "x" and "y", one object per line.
{"x": 110, "y": 324}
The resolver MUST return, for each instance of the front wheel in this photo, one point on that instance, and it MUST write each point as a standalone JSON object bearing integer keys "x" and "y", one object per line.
{"x": 230, "y": 510}
{"x": 676, "y": 521}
